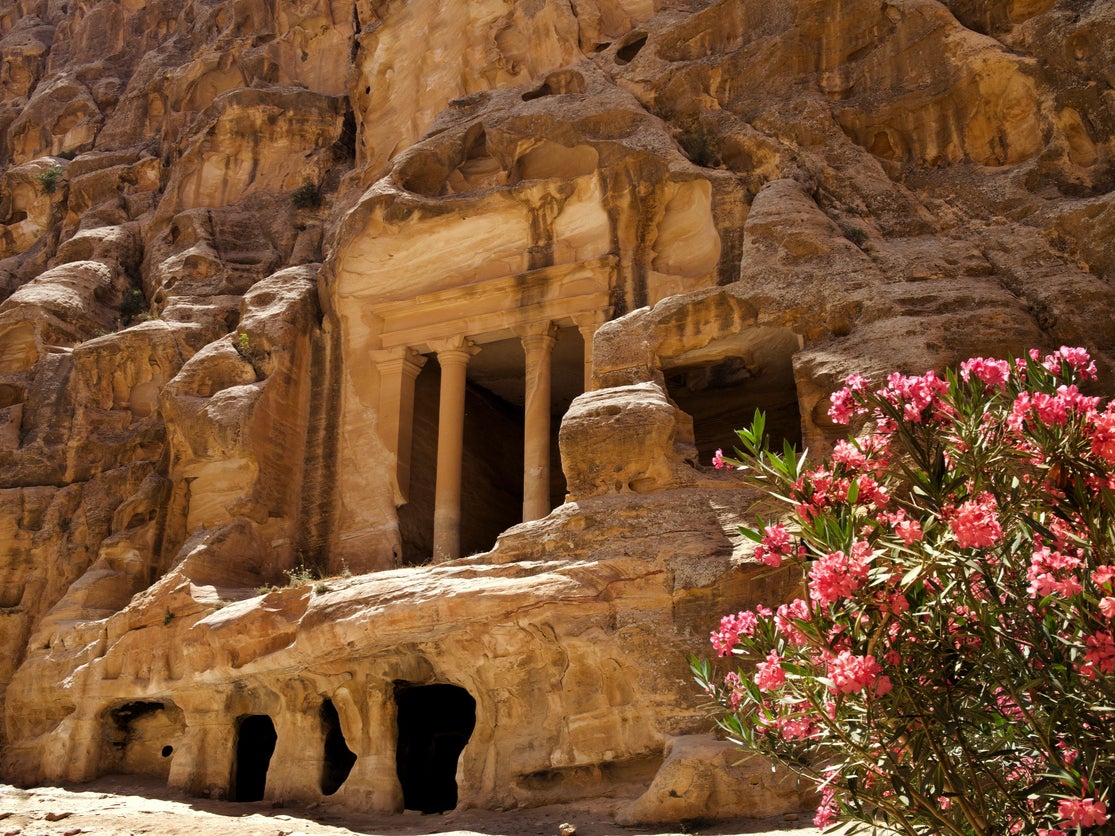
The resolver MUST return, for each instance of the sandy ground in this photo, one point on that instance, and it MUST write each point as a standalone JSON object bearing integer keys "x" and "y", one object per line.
{"x": 127, "y": 806}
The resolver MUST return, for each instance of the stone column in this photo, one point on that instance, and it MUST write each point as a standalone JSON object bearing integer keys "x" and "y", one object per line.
{"x": 398, "y": 369}
{"x": 453, "y": 356}
{"x": 538, "y": 345}
{"x": 587, "y": 323}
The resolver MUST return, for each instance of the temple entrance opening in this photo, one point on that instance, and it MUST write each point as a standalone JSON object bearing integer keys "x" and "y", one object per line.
{"x": 339, "y": 759}
{"x": 140, "y": 737}
{"x": 492, "y": 446}
{"x": 722, "y": 392}
{"x": 434, "y": 722}
{"x": 255, "y": 744}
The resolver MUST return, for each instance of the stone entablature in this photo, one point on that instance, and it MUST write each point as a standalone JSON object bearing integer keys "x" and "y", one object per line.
{"x": 486, "y": 311}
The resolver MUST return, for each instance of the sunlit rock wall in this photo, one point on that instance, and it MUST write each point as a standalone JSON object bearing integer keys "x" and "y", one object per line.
{"x": 241, "y": 243}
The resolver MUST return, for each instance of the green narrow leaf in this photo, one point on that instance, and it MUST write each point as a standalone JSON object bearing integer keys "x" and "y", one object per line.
{"x": 750, "y": 533}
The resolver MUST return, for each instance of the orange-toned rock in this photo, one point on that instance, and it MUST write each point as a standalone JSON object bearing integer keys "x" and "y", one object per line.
{"x": 296, "y": 297}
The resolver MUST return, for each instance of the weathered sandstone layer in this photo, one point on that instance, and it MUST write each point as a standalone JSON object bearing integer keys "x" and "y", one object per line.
{"x": 447, "y": 305}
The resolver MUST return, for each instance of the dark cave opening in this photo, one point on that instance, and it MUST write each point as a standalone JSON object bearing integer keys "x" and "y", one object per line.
{"x": 255, "y": 744}
{"x": 339, "y": 759}
{"x": 435, "y": 722}
{"x": 721, "y": 393}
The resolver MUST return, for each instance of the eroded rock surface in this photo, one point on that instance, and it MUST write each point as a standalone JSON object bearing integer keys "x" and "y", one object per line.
{"x": 275, "y": 278}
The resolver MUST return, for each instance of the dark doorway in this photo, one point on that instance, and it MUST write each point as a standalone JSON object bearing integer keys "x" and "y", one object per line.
{"x": 435, "y": 723}
{"x": 338, "y": 757}
{"x": 255, "y": 744}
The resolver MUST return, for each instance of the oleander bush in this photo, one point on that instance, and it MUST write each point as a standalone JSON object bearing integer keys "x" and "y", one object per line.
{"x": 950, "y": 665}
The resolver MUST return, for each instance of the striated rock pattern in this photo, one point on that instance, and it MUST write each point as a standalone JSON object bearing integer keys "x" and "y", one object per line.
{"x": 361, "y": 362}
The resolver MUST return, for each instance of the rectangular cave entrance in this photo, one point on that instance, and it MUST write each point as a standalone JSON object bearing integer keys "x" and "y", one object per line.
{"x": 255, "y": 744}
{"x": 140, "y": 737}
{"x": 339, "y": 759}
{"x": 434, "y": 725}
{"x": 492, "y": 463}
{"x": 721, "y": 393}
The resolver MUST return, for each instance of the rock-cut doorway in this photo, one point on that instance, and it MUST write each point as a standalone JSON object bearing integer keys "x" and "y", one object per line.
{"x": 255, "y": 744}
{"x": 435, "y": 723}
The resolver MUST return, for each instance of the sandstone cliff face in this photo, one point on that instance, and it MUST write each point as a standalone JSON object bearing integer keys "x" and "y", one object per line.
{"x": 270, "y": 274}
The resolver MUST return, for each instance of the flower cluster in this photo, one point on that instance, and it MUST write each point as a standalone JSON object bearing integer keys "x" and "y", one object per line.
{"x": 950, "y": 664}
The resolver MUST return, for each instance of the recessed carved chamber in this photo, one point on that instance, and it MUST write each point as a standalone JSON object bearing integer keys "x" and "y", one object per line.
{"x": 435, "y": 723}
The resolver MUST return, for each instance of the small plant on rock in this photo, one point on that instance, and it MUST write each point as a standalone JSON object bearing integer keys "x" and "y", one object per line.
{"x": 701, "y": 146}
{"x": 49, "y": 178}
{"x": 251, "y": 352}
{"x": 950, "y": 665}
{"x": 132, "y": 305}
{"x": 856, "y": 234}
{"x": 300, "y": 575}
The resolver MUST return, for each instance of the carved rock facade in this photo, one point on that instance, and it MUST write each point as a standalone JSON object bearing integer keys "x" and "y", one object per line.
{"x": 450, "y": 305}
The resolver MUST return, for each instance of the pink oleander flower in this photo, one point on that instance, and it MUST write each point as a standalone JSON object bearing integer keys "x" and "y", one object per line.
{"x": 976, "y": 523}
{"x": 844, "y": 406}
{"x": 847, "y": 454}
{"x": 836, "y": 576}
{"x": 897, "y": 604}
{"x": 1051, "y": 572}
{"x": 796, "y": 727}
{"x": 1099, "y": 657}
{"x": 776, "y": 544}
{"x": 1050, "y": 409}
{"x": 1082, "y": 812}
{"x": 1068, "y": 754}
{"x": 915, "y": 394}
{"x": 784, "y": 621}
{"x": 827, "y": 809}
{"x": 1101, "y": 428}
{"x": 907, "y": 529}
{"x": 731, "y": 628}
{"x": 1007, "y": 705}
{"x": 718, "y": 460}
{"x": 1103, "y": 575}
{"x": 1078, "y": 359}
{"x": 871, "y": 492}
{"x": 1076, "y": 401}
{"x": 993, "y": 373}
{"x": 850, "y": 673}
{"x": 1019, "y": 411}
{"x": 769, "y": 674}
{"x": 735, "y": 689}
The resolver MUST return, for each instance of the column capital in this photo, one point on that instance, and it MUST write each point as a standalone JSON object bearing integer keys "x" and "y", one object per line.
{"x": 591, "y": 320}
{"x": 403, "y": 360}
{"x": 537, "y": 334}
{"x": 455, "y": 350}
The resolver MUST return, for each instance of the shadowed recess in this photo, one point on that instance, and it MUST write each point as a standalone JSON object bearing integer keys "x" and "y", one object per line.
{"x": 339, "y": 759}
{"x": 255, "y": 744}
{"x": 435, "y": 723}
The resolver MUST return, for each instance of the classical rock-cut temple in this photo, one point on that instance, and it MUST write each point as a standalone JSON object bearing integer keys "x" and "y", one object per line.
{"x": 361, "y": 362}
